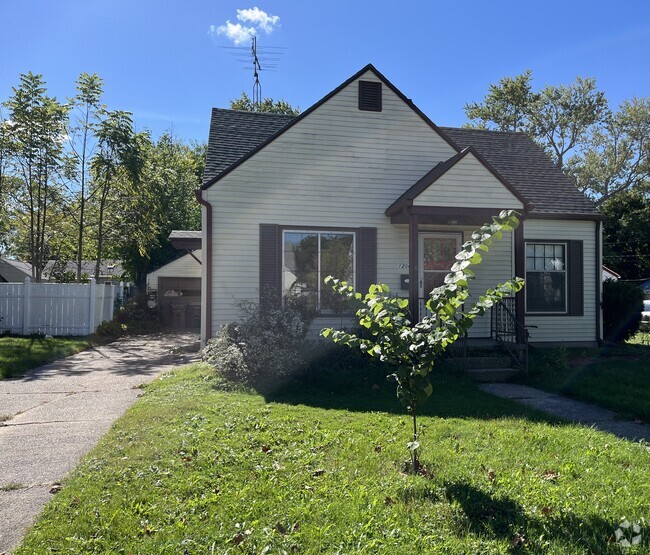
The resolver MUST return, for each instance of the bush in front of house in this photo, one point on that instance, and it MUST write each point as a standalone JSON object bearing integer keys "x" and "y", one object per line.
{"x": 264, "y": 348}
{"x": 134, "y": 317}
{"x": 622, "y": 307}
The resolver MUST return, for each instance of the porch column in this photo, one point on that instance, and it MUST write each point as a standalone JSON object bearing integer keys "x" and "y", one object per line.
{"x": 520, "y": 271}
{"x": 414, "y": 303}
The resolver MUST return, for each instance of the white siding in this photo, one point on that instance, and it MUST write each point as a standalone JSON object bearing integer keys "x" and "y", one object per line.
{"x": 469, "y": 184}
{"x": 185, "y": 266}
{"x": 567, "y": 328}
{"x": 338, "y": 167}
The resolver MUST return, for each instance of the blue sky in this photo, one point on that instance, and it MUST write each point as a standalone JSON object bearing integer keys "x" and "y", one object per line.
{"x": 160, "y": 60}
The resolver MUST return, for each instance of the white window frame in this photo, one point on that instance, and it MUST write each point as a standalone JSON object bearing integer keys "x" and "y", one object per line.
{"x": 564, "y": 312}
{"x": 320, "y": 232}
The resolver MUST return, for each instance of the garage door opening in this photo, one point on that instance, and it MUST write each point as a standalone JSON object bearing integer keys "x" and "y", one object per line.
{"x": 179, "y": 300}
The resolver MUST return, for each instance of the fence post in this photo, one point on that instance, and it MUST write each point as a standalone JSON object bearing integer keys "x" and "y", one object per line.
{"x": 91, "y": 307}
{"x": 26, "y": 305}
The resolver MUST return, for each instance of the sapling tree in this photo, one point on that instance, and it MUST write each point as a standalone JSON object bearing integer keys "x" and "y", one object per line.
{"x": 411, "y": 349}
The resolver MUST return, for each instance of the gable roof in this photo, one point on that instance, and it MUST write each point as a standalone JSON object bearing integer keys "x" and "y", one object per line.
{"x": 514, "y": 158}
{"x": 233, "y": 134}
{"x": 525, "y": 165}
{"x": 24, "y": 267}
{"x": 214, "y": 146}
{"x": 440, "y": 169}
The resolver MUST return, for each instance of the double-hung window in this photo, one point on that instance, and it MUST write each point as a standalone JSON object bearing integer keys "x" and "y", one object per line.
{"x": 308, "y": 257}
{"x": 546, "y": 278}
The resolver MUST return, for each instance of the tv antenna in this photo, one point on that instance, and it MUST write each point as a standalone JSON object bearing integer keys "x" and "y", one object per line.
{"x": 257, "y": 59}
{"x": 257, "y": 67}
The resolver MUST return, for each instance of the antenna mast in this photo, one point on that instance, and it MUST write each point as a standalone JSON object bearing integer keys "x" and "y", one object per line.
{"x": 257, "y": 67}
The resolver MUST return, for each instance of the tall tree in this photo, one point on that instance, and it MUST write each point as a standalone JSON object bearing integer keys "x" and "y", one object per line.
{"x": 507, "y": 106}
{"x": 35, "y": 145}
{"x": 173, "y": 171}
{"x": 616, "y": 157}
{"x": 117, "y": 160}
{"x": 88, "y": 112}
{"x": 267, "y": 105}
{"x": 626, "y": 233}
{"x": 557, "y": 117}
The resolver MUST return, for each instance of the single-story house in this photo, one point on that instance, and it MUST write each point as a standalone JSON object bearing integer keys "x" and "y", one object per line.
{"x": 176, "y": 287}
{"x": 110, "y": 270}
{"x": 364, "y": 186}
{"x": 14, "y": 271}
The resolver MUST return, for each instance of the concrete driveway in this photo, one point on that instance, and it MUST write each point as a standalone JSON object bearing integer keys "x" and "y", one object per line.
{"x": 55, "y": 414}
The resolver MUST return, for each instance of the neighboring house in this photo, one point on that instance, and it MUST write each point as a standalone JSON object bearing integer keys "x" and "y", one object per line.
{"x": 365, "y": 186}
{"x": 14, "y": 271}
{"x": 609, "y": 274}
{"x": 176, "y": 286}
{"x": 109, "y": 270}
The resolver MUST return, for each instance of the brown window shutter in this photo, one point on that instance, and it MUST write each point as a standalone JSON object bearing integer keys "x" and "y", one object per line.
{"x": 576, "y": 278}
{"x": 270, "y": 257}
{"x": 366, "y": 258}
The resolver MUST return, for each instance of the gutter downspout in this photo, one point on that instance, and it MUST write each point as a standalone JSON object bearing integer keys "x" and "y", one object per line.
{"x": 207, "y": 258}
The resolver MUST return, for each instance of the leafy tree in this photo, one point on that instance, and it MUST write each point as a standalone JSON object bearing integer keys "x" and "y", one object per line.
{"x": 34, "y": 143}
{"x": 626, "y": 233}
{"x": 410, "y": 349}
{"x": 267, "y": 105}
{"x": 557, "y": 117}
{"x": 171, "y": 173}
{"x": 88, "y": 112}
{"x": 616, "y": 157}
{"x": 507, "y": 106}
{"x": 115, "y": 163}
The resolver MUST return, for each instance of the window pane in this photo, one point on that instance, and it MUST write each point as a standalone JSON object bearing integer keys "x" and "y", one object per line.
{"x": 545, "y": 291}
{"x": 337, "y": 260}
{"x": 439, "y": 253}
{"x": 300, "y": 272}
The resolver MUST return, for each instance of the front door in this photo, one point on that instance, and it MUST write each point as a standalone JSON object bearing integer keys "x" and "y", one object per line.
{"x": 437, "y": 256}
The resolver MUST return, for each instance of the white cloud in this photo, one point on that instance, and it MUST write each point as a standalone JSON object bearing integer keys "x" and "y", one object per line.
{"x": 265, "y": 21}
{"x": 239, "y": 33}
{"x": 236, "y": 32}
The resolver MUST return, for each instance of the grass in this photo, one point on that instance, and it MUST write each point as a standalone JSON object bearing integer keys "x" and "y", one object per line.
{"x": 615, "y": 377}
{"x": 195, "y": 468}
{"x": 19, "y": 354}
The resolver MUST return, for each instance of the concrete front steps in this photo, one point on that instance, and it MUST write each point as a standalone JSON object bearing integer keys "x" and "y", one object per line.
{"x": 491, "y": 367}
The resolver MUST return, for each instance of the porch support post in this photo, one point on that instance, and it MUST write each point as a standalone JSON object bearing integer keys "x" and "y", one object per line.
{"x": 520, "y": 271}
{"x": 414, "y": 303}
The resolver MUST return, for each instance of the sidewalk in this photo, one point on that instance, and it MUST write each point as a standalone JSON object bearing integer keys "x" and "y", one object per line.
{"x": 570, "y": 409}
{"x": 55, "y": 414}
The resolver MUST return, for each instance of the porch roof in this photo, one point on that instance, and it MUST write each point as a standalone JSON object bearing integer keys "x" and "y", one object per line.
{"x": 408, "y": 201}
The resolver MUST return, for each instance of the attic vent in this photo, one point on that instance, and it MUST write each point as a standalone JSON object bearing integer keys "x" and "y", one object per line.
{"x": 370, "y": 96}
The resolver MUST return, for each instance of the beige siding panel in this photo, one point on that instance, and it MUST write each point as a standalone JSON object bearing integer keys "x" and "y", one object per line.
{"x": 567, "y": 328}
{"x": 469, "y": 184}
{"x": 185, "y": 266}
{"x": 338, "y": 167}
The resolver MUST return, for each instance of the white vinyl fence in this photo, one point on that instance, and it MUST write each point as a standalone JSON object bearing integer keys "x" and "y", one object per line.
{"x": 56, "y": 308}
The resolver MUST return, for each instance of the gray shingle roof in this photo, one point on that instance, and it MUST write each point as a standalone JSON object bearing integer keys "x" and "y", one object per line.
{"x": 519, "y": 160}
{"x": 528, "y": 169}
{"x": 234, "y": 133}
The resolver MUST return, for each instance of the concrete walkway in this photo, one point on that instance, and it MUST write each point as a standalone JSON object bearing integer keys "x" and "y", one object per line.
{"x": 571, "y": 410}
{"x": 55, "y": 414}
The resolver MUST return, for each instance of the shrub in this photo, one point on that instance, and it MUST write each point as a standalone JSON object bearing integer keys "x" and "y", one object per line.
{"x": 622, "y": 307}
{"x": 264, "y": 348}
{"x": 134, "y": 317}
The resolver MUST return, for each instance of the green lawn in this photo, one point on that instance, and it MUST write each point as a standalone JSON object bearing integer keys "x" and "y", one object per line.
{"x": 18, "y": 354}
{"x": 616, "y": 377}
{"x": 196, "y": 468}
